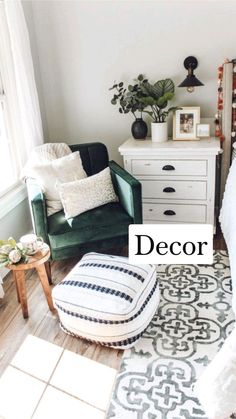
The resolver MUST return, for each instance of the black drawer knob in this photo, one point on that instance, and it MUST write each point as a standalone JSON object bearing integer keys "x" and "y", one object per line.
{"x": 169, "y": 212}
{"x": 168, "y": 167}
{"x": 168, "y": 189}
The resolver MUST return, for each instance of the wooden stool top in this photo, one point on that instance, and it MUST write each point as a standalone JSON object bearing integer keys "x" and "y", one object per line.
{"x": 40, "y": 257}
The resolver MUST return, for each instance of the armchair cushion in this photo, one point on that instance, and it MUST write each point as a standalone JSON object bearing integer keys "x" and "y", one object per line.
{"x": 85, "y": 194}
{"x": 100, "y": 228}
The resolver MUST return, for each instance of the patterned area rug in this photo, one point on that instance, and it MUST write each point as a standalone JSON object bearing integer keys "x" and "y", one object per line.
{"x": 194, "y": 317}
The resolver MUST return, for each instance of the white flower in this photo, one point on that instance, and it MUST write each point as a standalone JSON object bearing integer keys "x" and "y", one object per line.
{"x": 15, "y": 256}
{"x": 5, "y": 249}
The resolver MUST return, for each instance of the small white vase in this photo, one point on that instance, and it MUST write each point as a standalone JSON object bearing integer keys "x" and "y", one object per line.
{"x": 159, "y": 132}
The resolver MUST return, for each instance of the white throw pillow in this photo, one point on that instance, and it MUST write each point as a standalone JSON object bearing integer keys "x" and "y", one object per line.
{"x": 65, "y": 169}
{"x": 82, "y": 195}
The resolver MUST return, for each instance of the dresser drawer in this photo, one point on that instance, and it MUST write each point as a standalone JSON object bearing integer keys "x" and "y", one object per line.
{"x": 172, "y": 189}
{"x": 169, "y": 167}
{"x": 166, "y": 212}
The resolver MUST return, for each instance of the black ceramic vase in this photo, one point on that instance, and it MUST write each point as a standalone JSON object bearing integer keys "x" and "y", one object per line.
{"x": 139, "y": 129}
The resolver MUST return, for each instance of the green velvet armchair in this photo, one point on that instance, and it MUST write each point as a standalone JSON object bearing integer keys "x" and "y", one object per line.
{"x": 99, "y": 229}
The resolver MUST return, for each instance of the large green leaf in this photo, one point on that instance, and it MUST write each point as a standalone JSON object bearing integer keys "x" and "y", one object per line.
{"x": 149, "y": 90}
{"x": 148, "y": 101}
{"x": 163, "y": 100}
{"x": 164, "y": 86}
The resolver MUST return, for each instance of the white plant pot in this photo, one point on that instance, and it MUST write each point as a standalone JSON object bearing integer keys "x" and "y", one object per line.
{"x": 159, "y": 132}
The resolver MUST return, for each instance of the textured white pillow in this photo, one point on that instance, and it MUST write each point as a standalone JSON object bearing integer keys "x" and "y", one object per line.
{"x": 65, "y": 169}
{"x": 83, "y": 195}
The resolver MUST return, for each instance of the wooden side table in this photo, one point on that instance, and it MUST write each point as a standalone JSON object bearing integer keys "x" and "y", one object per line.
{"x": 36, "y": 261}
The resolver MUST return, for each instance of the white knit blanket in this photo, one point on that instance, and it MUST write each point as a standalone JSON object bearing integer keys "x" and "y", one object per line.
{"x": 228, "y": 225}
{"x": 44, "y": 153}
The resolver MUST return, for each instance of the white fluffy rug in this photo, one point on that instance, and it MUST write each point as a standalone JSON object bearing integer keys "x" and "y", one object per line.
{"x": 157, "y": 376}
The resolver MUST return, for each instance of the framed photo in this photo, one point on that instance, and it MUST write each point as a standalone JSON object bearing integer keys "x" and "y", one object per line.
{"x": 203, "y": 130}
{"x": 185, "y": 122}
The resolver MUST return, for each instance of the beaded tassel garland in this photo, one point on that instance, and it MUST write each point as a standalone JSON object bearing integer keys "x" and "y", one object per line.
{"x": 220, "y": 103}
{"x": 233, "y": 131}
{"x": 218, "y": 116}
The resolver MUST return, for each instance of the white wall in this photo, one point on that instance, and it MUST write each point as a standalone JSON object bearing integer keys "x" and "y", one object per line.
{"x": 83, "y": 46}
{"x": 17, "y": 222}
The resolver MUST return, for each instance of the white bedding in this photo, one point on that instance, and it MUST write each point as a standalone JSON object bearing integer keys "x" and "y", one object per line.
{"x": 228, "y": 224}
{"x": 217, "y": 386}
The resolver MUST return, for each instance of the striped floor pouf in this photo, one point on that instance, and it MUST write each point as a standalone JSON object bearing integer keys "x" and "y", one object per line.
{"x": 107, "y": 300}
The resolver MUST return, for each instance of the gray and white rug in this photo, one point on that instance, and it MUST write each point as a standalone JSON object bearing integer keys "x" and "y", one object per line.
{"x": 157, "y": 376}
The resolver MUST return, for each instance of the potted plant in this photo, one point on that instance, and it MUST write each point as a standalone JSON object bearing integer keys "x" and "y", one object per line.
{"x": 155, "y": 97}
{"x": 130, "y": 100}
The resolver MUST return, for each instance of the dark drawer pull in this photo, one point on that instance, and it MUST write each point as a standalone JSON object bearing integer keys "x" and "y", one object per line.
{"x": 168, "y": 189}
{"x": 169, "y": 212}
{"x": 168, "y": 167}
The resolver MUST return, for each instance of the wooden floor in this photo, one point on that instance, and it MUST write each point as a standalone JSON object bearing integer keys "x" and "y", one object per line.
{"x": 42, "y": 323}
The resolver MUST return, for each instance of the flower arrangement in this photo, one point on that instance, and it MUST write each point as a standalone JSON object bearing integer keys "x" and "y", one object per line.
{"x": 11, "y": 252}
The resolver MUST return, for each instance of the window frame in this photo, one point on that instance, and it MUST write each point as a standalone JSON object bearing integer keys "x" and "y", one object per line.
{"x": 16, "y": 192}
{"x": 5, "y": 110}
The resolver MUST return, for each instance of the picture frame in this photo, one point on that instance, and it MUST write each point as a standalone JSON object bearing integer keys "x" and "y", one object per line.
{"x": 185, "y": 122}
{"x": 203, "y": 130}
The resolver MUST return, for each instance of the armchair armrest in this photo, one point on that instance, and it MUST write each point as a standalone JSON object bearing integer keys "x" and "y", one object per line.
{"x": 38, "y": 209}
{"x": 129, "y": 191}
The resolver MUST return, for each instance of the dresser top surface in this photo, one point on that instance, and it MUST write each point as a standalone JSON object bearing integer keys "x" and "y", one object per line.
{"x": 203, "y": 146}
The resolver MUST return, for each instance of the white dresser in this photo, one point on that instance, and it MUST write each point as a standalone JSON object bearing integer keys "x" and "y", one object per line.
{"x": 178, "y": 178}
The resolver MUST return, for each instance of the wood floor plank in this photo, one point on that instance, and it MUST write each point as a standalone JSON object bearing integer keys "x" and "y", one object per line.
{"x": 50, "y": 331}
